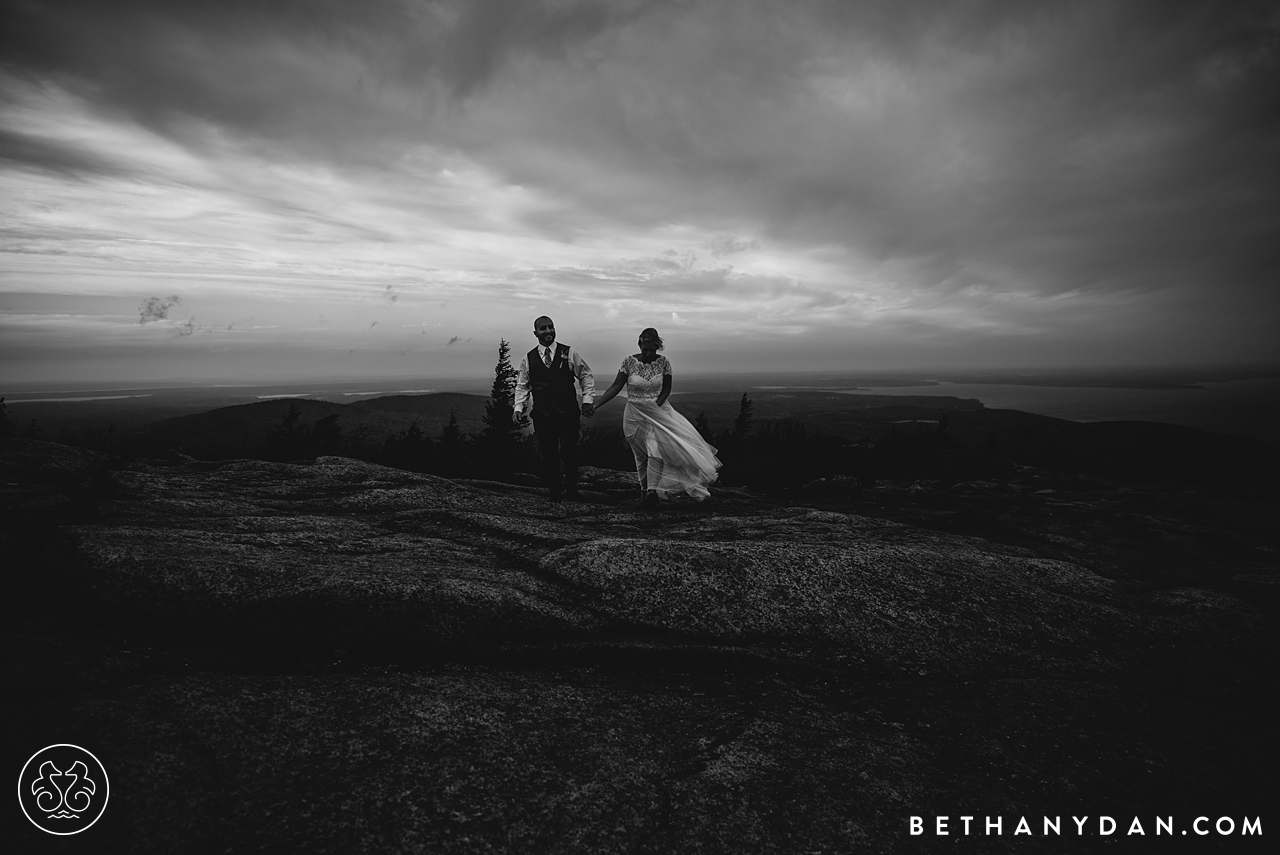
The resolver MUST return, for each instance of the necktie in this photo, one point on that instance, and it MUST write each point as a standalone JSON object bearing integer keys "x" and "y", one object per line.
{"x": 546, "y": 357}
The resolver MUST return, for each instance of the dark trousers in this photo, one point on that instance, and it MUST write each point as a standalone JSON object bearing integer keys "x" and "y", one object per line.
{"x": 557, "y": 435}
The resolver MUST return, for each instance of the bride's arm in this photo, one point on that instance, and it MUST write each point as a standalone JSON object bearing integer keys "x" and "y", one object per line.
{"x": 666, "y": 390}
{"x": 612, "y": 391}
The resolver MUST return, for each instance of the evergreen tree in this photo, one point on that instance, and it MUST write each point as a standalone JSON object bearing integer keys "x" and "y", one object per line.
{"x": 356, "y": 443}
{"x": 780, "y": 455}
{"x": 704, "y": 427}
{"x": 742, "y": 423}
{"x": 289, "y": 440}
{"x": 409, "y": 449}
{"x": 451, "y": 449}
{"x": 326, "y": 435}
{"x": 451, "y": 435}
{"x": 498, "y": 410}
{"x": 500, "y": 437}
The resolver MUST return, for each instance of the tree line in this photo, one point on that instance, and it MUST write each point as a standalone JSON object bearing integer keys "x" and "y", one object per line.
{"x": 773, "y": 454}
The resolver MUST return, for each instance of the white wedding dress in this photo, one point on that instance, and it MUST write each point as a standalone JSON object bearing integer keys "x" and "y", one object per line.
{"x": 671, "y": 456}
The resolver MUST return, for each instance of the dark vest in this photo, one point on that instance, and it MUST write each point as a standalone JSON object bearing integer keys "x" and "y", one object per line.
{"x": 552, "y": 388}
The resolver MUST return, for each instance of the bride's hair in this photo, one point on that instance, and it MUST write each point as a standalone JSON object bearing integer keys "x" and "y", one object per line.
{"x": 650, "y": 331}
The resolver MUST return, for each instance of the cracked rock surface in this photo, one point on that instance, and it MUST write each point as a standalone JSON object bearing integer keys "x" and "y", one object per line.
{"x": 343, "y": 657}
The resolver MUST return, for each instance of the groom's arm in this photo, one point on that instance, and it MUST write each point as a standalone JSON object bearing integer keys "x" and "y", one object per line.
{"x": 522, "y": 390}
{"x": 586, "y": 382}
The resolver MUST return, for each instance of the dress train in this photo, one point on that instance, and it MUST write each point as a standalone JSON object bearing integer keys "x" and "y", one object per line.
{"x": 679, "y": 459}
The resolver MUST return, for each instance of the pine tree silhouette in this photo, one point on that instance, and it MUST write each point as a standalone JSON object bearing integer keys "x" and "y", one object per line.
{"x": 326, "y": 435}
{"x": 289, "y": 440}
{"x": 500, "y": 437}
{"x": 742, "y": 423}
{"x": 703, "y": 427}
{"x": 451, "y": 448}
{"x": 409, "y": 449}
{"x": 451, "y": 435}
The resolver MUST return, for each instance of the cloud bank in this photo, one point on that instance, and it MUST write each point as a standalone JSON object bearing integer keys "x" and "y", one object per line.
{"x": 788, "y": 185}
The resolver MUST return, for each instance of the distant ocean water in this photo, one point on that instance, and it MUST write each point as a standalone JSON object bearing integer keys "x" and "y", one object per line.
{"x": 64, "y": 400}
{"x": 327, "y": 395}
{"x": 225, "y": 394}
{"x": 1241, "y": 407}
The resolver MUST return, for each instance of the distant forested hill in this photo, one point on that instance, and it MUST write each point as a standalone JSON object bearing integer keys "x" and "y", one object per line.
{"x": 794, "y": 436}
{"x": 241, "y": 431}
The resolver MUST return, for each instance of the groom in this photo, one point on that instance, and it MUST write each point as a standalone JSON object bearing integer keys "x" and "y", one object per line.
{"x": 562, "y": 388}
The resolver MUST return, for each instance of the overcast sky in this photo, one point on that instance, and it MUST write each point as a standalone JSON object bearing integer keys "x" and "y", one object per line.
{"x": 388, "y": 187}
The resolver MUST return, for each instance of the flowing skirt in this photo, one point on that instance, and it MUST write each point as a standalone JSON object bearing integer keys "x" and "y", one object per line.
{"x": 678, "y": 459}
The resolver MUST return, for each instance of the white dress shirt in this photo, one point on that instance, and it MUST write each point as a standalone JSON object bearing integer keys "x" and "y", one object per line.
{"x": 584, "y": 384}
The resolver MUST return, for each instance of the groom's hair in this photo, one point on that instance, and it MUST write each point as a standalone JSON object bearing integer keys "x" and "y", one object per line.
{"x": 540, "y": 319}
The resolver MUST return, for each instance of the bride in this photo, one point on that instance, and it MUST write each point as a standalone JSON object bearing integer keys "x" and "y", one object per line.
{"x": 671, "y": 456}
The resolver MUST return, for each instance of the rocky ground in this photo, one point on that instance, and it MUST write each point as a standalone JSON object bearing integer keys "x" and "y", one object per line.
{"x": 342, "y": 657}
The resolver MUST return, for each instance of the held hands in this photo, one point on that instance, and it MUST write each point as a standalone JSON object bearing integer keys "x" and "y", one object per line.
{"x": 588, "y": 410}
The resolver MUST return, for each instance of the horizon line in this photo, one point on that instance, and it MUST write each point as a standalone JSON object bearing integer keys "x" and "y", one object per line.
{"x": 121, "y": 384}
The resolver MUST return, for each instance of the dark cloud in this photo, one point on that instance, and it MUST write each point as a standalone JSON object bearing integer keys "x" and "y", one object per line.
{"x": 327, "y": 77}
{"x": 1028, "y": 165}
{"x": 44, "y": 154}
{"x": 1068, "y": 148}
{"x": 157, "y": 308}
{"x": 723, "y": 245}
{"x": 482, "y": 35}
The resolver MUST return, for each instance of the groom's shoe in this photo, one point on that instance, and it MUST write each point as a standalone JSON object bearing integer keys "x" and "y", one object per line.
{"x": 651, "y": 499}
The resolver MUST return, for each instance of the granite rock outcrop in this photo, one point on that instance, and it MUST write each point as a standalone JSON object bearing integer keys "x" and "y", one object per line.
{"x": 344, "y": 656}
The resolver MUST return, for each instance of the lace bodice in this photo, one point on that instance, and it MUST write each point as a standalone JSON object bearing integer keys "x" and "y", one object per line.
{"x": 644, "y": 381}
